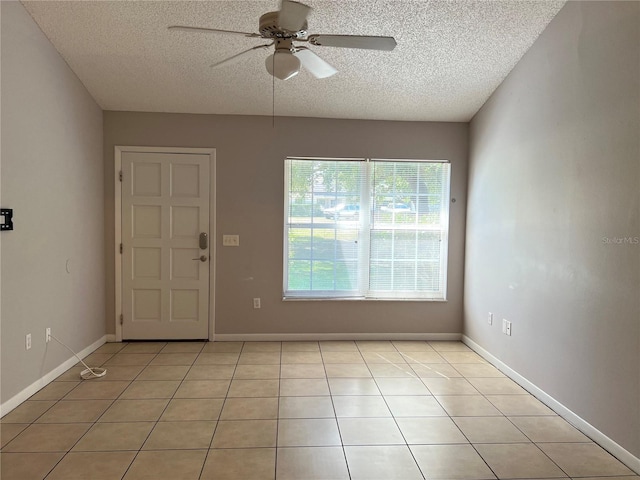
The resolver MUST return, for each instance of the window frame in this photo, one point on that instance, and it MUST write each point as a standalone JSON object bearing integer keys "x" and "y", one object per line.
{"x": 365, "y": 227}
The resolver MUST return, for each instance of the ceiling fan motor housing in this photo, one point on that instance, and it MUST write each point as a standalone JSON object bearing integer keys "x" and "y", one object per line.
{"x": 269, "y": 28}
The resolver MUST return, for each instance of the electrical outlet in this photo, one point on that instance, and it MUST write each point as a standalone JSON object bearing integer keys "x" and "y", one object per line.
{"x": 508, "y": 328}
{"x": 47, "y": 335}
{"x": 27, "y": 342}
{"x": 504, "y": 326}
{"x": 256, "y": 303}
{"x": 490, "y": 318}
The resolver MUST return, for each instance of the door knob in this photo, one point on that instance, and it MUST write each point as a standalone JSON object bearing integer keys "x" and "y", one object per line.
{"x": 202, "y": 258}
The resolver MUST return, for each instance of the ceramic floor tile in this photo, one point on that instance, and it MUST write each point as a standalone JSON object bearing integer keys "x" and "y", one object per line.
{"x": 382, "y": 357}
{"x": 113, "y": 347}
{"x": 518, "y": 461}
{"x": 338, "y": 346}
{"x": 180, "y": 436}
{"x": 164, "y": 372}
{"x": 422, "y": 357}
{"x": 412, "y": 346}
{"x": 301, "y": 357}
{"x": 28, "y": 411}
{"x": 449, "y": 386}
{"x": 9, "y": 431}
{"x": 75, "y": 411}
{"x": 245, "y": 463}
{"x": 430, "y": 430}
{"x": 490, "y": 430}
{"x": 382, "y": 463}
{"x": 353, "y": 386}
{"x": 134, "y": 411}
{"x": 309, "y": 370}
{"x": 92, "y": 465}
{"x": 375, "y": 346}
{"x": 584, "y": 459}
{"x": 306, "y": 407}
{"x": 119, "y": 373}
{"x": 27, "y": 466}
{"x": 261, "y": 347}
{"x": 222, "y": 347}
{"x": 352, "y": 370}
{"x": 71, "y": 375}
{"x": 182, "y": 347}
{"x": 254, "y": 388}
{"x": 300, "y": 347}
{"x": 497, "y": 386}
{"x": 311, "y": 463}
{"x": 54, "y": 391}
{"x": 402, "y": 386}
{"x": 305, "y": 387}
{"x": 47, "y": 438}
{"x": 467, "y": 406}
{"x": 183, "y": 409}
{"x": 96, "y": 359}
{"x": 414, "y": 406}
{"x": 173, "y": 464}
{"x": 361, "y": 406}
{"x": 370, "y": 431}
{"x": 250, "y": 409}
{"x": 206, "y": 358}
{"x": 461, "y": 357}
{"x": 548, "y": 429}
{"x": 341, "y": 357}
{"x": 308, "y": 432}
{"x": 455, "y": 462}
{"x": 130, "y": 359}
{"x": 203, "y": 389}
{"x": 174, "y": 359}
{"x": 210, "y": 372}
{"x": 526, "y": 405}
{"x": 435, "y": 370}
{"x": 391, "y": 370}
{"x": 478, "y": 370}
{"x": 143, "y": 347}
{"x": 114, "y": 436}
{"x": 257, "y": 372}
{"x": 449, "y": 346}
{"x": 150, "y": 389}
{"x": 259, "y": 358}
{"x": 245, "y": 434}
{"x": 97, "y": 390}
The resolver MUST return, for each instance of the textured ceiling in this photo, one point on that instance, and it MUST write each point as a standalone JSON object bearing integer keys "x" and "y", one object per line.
{"x": 451, "y": 55}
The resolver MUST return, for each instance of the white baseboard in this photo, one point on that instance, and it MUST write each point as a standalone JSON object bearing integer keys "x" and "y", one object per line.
{"x": 42, "y": 382}
{"x": 585, "y": 427}
{"x": 111, "y": 337}
{"x": 314, "y": 337}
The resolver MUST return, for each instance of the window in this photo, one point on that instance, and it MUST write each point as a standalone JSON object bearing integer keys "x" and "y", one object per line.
{"x": 366, "y": 228}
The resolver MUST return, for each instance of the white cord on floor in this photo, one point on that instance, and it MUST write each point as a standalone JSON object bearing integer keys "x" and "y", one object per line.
{"x": 89, "y": 372}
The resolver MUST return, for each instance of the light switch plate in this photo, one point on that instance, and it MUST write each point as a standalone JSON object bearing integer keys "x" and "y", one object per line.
{"x": 231, "y": 240}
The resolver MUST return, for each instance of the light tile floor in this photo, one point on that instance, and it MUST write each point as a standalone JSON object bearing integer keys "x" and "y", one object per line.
{"x": 293, "y": 410}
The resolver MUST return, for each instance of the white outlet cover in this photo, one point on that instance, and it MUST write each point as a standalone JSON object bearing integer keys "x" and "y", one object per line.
{"x": 231, "y": 240}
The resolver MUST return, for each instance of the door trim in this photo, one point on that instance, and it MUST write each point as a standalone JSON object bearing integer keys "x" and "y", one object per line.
{"x": 119, "y": 150}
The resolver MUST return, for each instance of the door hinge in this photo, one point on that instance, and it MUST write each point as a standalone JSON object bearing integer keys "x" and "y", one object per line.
{"x": 121, "y": 319}
{"x": 120, "y": 175}
{"x": 120, "y": 248}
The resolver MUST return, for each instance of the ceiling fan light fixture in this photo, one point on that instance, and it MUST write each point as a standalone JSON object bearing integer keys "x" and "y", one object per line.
{"x": 283, "y": 64}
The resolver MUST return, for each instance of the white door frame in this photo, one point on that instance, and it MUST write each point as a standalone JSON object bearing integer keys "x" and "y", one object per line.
{"x": 119, "y": 150}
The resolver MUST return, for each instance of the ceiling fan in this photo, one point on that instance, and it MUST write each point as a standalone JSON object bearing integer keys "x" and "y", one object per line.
{"x": 289, "y": 25}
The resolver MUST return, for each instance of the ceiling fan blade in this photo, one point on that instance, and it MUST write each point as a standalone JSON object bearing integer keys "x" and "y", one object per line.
{"x": 312, "y": 62}
{"x": 293, "y": 15}
{"x": 235, "y": 57}
{"x": 212, "y": 30}
{"x": 354, "y": 41}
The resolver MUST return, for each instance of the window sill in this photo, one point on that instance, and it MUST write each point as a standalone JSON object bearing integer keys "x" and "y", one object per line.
{"x": 360, "y": 299}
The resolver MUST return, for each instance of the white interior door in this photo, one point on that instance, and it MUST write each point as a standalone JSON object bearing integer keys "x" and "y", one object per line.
{"x": 165, "y": 246}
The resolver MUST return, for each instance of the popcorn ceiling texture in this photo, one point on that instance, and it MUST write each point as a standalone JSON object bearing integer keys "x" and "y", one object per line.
{"x": 451, "y": 55}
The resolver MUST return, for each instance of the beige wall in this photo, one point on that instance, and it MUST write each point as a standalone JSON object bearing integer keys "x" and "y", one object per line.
{"x": 52, "y": 177}
{"x": 250, "y": 177}
{"x": 554, "y": 169}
